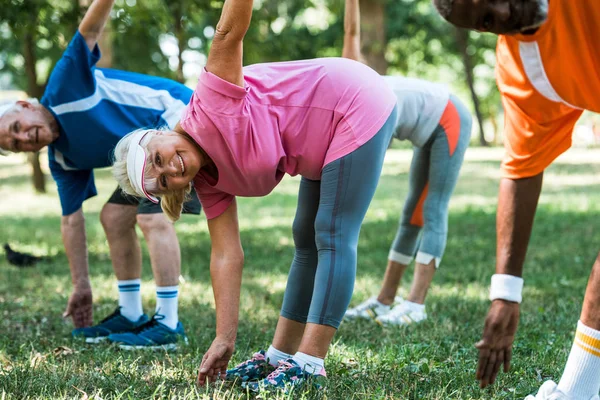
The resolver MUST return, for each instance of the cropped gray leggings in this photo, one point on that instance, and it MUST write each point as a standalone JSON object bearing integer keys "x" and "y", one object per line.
{"x": 433, "y": 174}
{"x": 326, "y": 228}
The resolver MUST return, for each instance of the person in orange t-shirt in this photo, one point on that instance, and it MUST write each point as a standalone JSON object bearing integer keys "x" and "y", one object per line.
{"x": 547, "y": 72}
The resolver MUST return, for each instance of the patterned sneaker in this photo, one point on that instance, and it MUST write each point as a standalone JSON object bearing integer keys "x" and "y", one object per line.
{"x": 254, "y": 369}
{"x": 152, "y": 336}
{"x": 287, "y": 376}
{"x": 370, "y": 309}
{"x": 549, "y": 391}
{"x": 114, "y": 323}
{"x": 405, "y": 314}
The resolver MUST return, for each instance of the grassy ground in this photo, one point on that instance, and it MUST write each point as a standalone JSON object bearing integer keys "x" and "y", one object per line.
{"x": 435, "y": 360}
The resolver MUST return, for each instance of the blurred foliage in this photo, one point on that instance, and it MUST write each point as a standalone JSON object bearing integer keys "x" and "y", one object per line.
{"x": 420, "y": 43}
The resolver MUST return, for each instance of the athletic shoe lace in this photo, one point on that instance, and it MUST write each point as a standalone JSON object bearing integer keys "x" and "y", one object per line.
{"x": 150, "y": 324}
{"x": 255, "y": 358}
{"x": 115, "y": 314}
{"x": 282, "y": 367}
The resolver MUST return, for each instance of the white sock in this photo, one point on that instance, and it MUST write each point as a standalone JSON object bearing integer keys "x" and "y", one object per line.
{"x": 130, "y": 299}
{"x": 312, "y": 365}
{"x": 167, "y": 304}
{"x": 581, "y": 378}
{"x": 274, "y": 355}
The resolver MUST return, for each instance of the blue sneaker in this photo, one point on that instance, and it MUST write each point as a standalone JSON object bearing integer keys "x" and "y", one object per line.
{"x": 152, "y": 336}
{"x": 287, "y": 376}
{"x": 114, "y": 323}
{"x": 254, "y": 369}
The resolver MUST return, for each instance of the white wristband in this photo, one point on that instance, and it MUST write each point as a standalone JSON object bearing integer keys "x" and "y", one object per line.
{"x": 506, "y": 287}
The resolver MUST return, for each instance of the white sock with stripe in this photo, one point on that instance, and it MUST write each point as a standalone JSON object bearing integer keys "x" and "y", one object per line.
{"x": 130, "y": 299}
{"x": 167, "y": 305}
{"x": 274, "y": 355}
{"x": 312, "y": 365}
{"x": 581, "y": 378}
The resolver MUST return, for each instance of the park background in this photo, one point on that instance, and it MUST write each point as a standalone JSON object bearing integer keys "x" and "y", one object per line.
{"x": 435, "y": 360}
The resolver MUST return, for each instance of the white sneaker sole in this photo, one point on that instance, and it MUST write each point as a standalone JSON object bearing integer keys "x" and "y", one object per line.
{"x": 167, "y": 347}
{"x": 96, "y": 340}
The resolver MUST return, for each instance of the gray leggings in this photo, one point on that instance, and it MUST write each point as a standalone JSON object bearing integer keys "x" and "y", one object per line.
{"x": 433, "y": 174}
{"x": 326, "y": 229}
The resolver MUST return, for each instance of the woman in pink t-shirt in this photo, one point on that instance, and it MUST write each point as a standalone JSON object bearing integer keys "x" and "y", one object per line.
{"x": 328, "y": 120}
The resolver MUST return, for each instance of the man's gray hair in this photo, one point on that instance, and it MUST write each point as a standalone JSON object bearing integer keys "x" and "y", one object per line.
{"x": 10, "y": 106}
{"x": 444, "y": 7}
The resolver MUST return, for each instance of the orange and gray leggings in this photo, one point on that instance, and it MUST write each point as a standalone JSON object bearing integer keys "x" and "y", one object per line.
{"x": 433, "y": 174}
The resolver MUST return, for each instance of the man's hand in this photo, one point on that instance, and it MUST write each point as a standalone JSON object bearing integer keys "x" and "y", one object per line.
{"x": 495, "y": 348}
{"x": 214, "y": 363}
{"x": 79, "y": 307}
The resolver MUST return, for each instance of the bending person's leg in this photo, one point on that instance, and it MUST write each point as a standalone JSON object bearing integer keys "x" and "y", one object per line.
{"x": 405, "y": 243}
{"x": 299, "y": 289}
{"x": 446, "y": 150}
{"x": 347, "y": 188}
{"x": 118, "y": 220}
{"x": 581, "y": 377}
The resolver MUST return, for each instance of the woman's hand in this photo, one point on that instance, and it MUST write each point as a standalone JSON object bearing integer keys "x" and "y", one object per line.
{"x": 215, "y": 360}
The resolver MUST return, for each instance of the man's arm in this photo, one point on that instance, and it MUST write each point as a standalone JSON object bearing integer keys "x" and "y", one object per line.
{"x": 94, "y": 20}
{"x": 517, "y": 203}
{"x": 351, "y": 47}
{"x": 79, "y": 306}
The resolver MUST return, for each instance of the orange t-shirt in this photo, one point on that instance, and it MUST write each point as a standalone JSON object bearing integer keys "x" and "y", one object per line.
{"x": 546, "y": 80}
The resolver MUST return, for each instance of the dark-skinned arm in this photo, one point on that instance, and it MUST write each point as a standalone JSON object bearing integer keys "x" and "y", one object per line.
{"x": 517, "y": 203}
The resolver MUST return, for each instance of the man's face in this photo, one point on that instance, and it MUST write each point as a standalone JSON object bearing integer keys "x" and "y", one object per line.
{"x": 26, "y": 129}
{"x": 499, "y": 16}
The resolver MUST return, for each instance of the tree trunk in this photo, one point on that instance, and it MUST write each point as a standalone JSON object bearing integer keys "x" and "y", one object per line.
{"x": 373, "y": 34}
{"x": 34, "y": 90}
{"x": 462, "y": 39}
{"x": 176, "y": 9}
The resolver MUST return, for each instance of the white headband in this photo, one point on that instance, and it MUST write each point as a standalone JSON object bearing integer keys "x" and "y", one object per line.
{"x": 3, "y": 109}
{"x": 136, "y": 165}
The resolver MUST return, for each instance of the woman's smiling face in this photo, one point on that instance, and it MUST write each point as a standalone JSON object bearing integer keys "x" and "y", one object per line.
{"x": 175, "y": 160}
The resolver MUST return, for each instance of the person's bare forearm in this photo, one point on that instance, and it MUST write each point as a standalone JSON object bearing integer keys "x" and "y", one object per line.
{"x": 351, "y": 48}
{"x": 235, "y": 19}
{"x": 226, "y": 275}
{"x": 517, "y": 203}
{"x": 74, "y": 240}
{"x": 94, "y": 20}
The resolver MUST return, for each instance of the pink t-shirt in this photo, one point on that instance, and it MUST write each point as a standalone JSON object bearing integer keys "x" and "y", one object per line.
{"x": 291, "y": 117}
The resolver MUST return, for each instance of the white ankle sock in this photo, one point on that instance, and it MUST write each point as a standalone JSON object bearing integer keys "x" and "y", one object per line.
{"x": 274, "y": 355}
{"x": 130, "y": 299}
{"x": 167, "y": 304}
{"x": 312, "y": 365}
{"x": 581, "y": 378}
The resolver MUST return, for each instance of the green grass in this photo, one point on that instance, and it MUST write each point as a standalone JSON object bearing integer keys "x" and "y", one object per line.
{"x": 435, "y": 360}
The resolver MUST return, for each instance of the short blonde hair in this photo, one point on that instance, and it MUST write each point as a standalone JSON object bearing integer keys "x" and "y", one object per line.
{"x": 172, "y": 202}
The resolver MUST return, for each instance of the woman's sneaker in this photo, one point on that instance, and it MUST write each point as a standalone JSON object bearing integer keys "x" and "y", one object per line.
{"x": 254, "y": 369}
{"x": 406, "y": 313}
{"x": 371, "y": 309}
{"x": 114, "y": 323}
{"x": 287, "y": 376}
{"x": 549, "y": 391}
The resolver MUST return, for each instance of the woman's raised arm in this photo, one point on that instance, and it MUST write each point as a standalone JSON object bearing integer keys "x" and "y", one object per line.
{"x": 225, "y": 55}
{"x": 351, "y": 47}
